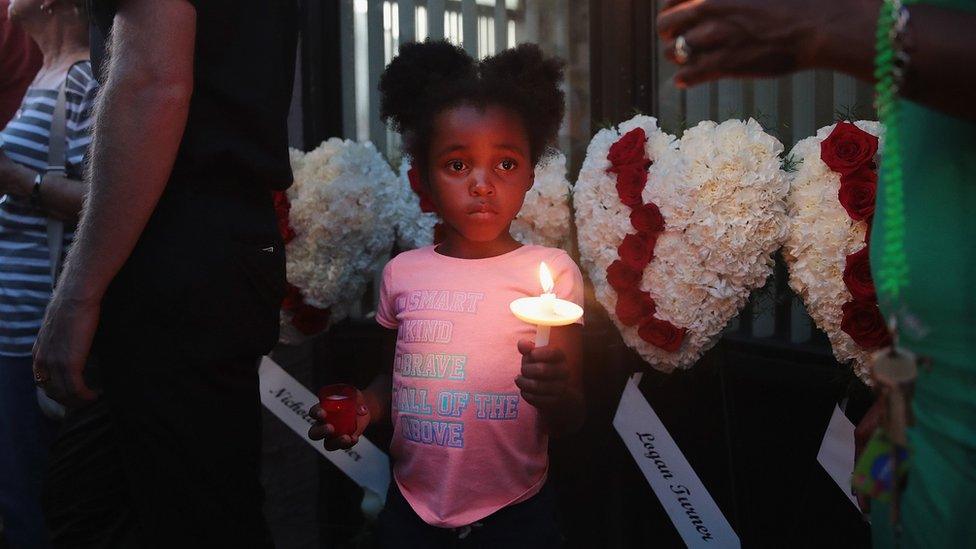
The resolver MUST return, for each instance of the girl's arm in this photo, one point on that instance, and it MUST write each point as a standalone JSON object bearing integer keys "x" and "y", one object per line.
{"x": 552, "y": 379}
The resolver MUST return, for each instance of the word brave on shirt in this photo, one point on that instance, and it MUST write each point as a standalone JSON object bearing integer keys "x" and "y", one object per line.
{"x": 434, "y": 365}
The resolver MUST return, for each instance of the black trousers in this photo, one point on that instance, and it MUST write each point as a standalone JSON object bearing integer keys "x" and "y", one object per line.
{"x": 530, "y": 524}
{"x": 169, "y": 456}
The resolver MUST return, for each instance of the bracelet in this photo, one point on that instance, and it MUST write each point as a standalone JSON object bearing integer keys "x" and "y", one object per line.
{"x": 35, "y": 196}
{"x": 900, "y": 42}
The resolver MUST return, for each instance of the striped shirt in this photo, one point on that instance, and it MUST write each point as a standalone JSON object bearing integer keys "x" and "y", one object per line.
{"x": 25, "y": 265}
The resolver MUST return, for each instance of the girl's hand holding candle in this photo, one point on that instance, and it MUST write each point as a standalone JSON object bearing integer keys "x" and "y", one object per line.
{"x": 545, "y": 376}
{"x": 340, "y": 417}
{"x": 550, "y": 377}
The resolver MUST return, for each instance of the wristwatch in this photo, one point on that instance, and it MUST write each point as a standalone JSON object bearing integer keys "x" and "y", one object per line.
{"x": 35, "y": 197}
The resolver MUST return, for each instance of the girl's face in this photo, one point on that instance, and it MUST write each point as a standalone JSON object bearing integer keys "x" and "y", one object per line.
{"x": 479, "y": 170}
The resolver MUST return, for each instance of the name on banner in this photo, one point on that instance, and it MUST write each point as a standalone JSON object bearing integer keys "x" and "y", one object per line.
{"x": 680, "y": 491}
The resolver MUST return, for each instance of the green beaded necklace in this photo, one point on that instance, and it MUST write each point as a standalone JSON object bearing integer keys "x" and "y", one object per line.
{"x": 892, "y": 274}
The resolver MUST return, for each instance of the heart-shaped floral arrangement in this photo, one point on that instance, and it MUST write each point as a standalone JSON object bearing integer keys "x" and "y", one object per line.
{"x": 831, "y": 205}
{"x": 675, "y": 234}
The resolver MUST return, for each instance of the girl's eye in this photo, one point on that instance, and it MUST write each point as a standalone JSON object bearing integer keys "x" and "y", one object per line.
{"x": 507, "y": 165}
{"x": 456, "y": 165}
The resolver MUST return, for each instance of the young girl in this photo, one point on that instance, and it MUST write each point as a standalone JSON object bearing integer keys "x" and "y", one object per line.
{"x": 472, "y": 401}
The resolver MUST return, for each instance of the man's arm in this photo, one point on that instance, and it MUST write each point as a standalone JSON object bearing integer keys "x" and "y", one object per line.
{"x": 140, "y": 119}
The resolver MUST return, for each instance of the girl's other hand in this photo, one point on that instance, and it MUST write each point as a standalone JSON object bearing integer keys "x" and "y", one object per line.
{"x": 322, "y": 430}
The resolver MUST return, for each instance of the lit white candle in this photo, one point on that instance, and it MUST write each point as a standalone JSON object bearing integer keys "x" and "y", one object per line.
{"x": 546, "y": 310}
{"x": 548, "y": 298}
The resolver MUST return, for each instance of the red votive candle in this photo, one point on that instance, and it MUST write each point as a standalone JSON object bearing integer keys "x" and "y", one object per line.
{"x": 339, "y": 403}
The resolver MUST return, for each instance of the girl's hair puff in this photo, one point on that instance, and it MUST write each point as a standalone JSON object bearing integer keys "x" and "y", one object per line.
{"x": 429, "y": 77}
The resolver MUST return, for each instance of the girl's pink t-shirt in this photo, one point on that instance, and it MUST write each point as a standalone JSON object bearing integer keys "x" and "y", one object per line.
{"x": 465, "y": 444}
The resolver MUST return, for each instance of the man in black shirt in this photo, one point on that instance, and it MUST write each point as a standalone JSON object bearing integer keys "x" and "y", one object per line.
{"x": 175, "y": 278}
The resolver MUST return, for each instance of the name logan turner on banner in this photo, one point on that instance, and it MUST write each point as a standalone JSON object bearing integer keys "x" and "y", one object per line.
{"x": 695, "y": 515}
{"x": 680, "y": 491}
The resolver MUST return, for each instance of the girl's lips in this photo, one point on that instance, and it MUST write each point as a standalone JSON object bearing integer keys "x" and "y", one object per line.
{"x": 482, "y": 209}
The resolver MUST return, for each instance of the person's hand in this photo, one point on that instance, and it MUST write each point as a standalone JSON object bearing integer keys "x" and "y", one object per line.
{"x": 545, "y": 374}
{"x": 761, "y": 38}
{"x": 62, "y": 347}
{"x": 322, "y": 429}
{"x": 862, "y": 434}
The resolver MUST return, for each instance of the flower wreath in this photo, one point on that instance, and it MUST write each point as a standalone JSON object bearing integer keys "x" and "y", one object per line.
{"x": 337, "y": 220}
{"x": 676, "y": 234}
{"x": 831, "y": 204}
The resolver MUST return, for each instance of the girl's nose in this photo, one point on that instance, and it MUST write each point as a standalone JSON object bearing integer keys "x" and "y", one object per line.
{"x": 480, "y": 184}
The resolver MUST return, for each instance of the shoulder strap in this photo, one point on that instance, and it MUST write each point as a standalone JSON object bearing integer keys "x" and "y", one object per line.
{"x": 56, "y": 154}
{"x": 57, "y": 163}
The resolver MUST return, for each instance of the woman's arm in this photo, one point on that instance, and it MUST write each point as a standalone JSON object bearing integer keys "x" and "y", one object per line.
{"x": 761, "y": 38}
{"x": 552, "y": 379}
{"x": 61, "y": 197}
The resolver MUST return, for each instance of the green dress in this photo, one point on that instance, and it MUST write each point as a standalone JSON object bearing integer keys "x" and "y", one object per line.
{"x": 939, "y": 161}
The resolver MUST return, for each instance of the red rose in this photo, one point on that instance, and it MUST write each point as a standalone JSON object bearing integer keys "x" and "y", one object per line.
{"x": 629, "y": 149}
{"x": 637, "y": 250}
{"x": 282, "y": 208}
{"x": 857, "y": 276}
{"x": 864, "y": 323}
{"x": 426, "y": 204}
{"x": 856, "y": 194}
{"x": 631, "y": 180}
{"x": 310, "y": 320}
{"x": 634, "y": 306}
{"x": 622, "y": 276}
{"x": 848, "y": 148}
{"x": 647, "y": 219}
{"x": 662, "y": 334}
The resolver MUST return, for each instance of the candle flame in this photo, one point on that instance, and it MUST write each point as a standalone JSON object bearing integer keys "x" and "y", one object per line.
{"x": 545, "y": 278}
